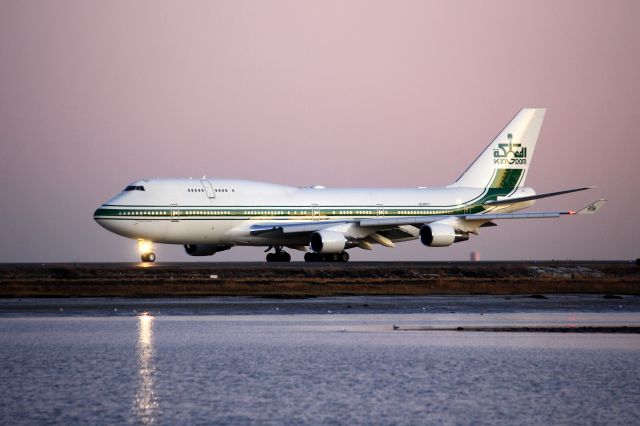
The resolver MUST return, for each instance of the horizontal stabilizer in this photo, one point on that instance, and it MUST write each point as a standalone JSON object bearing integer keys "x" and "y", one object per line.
{"x": 535, "y": 197}
{"x": 593, "y": 207}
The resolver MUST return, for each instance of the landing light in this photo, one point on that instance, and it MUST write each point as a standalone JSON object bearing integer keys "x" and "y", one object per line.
{"x": 144, "y": 246}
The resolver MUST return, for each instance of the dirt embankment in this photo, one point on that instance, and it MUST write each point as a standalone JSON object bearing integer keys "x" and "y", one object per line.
{"x": 309, "y": 280}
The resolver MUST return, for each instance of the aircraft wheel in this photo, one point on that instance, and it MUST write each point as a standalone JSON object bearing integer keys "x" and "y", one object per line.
{"x": 148, "y": 257}
{"x": 282, "y": 256}
{"x": 343, "y": 256}
{"x": 330, "y": 257}
{"x": 312, "y": 257}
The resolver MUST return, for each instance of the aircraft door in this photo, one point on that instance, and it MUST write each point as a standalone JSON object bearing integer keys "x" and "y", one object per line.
{"x": 315, "y": 212}
{"x": 380, "y": 212}
{"x": 208, "y": 188}
{"x": 175, "y": 213}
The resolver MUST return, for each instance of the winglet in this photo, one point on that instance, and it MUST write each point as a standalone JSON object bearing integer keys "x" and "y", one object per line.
{"x": 593, "y": 207}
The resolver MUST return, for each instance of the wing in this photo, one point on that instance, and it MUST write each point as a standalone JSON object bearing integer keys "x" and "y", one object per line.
{"x": 482, "y": 217}
{"x": 277, "y": 229}
{"x": 386, "y": 231}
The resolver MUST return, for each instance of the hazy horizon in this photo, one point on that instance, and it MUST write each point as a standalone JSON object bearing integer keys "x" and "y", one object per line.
{"x": 94, "y": 95}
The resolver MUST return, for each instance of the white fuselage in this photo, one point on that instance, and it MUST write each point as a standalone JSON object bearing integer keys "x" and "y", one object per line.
{"x": 217, "y": 211}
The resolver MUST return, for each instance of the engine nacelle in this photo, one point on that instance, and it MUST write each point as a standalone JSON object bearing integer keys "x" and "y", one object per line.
{"x": 325, "y": 241}
{"x": 205, "y": 249}
{"x": 441, "y": 235}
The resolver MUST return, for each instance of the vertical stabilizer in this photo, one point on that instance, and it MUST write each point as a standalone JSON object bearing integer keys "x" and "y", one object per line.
{"x": 504, "y": 163}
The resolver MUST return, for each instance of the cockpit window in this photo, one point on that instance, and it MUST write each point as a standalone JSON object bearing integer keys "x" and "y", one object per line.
{"x": 134, "y": 188}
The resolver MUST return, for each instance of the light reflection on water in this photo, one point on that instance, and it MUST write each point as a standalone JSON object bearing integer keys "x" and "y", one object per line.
{"x": 296, "y": 365}
{"x": 146, "y": 407}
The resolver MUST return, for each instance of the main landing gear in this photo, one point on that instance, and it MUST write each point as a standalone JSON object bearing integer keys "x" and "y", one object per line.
{"x": 343, "y": 256}
{"x": 279, "y": 256}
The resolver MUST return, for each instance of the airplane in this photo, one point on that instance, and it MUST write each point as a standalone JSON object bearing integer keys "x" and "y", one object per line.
{"x": 207, "y": 215}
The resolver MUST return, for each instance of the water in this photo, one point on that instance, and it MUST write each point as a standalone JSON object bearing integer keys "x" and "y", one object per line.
{"x": 251, "y": 361}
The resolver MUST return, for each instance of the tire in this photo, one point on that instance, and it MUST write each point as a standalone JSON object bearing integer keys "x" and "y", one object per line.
{"x": 344, "y": 256}
{"x": 283, "y": 256}
{"x": 151, "y": 257}
{"x": 311, "y": 257}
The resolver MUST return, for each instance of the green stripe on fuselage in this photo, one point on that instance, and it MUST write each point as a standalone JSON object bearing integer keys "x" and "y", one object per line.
{"x": 504, "y": 182}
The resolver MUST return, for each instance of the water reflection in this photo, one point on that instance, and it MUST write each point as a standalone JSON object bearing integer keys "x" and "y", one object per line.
{"x": 145, "y": 406}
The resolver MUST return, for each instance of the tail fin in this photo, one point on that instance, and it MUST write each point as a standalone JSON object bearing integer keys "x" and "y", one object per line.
{"x": 504, "y": 163}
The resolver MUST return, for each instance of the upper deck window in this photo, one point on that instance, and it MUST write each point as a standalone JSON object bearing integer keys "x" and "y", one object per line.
{"x": 134, "y": 188}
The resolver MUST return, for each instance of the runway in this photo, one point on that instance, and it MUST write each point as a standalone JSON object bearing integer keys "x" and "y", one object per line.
{"x": 341, "y": 265}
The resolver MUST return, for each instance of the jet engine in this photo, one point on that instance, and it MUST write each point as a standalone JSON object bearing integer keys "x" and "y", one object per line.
{"x": 205, "y": 249}
{"x": 325, "y": 241}
{"x": 441, "y": 235}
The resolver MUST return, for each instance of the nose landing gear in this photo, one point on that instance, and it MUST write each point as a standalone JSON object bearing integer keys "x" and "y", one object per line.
{"x": 279, "y": 256}
{"x": 146, "y": 251}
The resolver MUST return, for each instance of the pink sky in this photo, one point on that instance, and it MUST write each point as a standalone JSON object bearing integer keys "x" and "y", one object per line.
{"x": 94, "y": 95}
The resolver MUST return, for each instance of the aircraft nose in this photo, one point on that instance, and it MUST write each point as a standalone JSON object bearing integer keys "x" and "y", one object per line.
{"x": 99, "y": 213}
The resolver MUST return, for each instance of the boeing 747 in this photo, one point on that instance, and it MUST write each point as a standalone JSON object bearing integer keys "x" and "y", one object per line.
{"x": 210, "y": 215}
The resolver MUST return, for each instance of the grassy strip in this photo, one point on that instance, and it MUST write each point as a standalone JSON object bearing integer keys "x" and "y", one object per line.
{"x": 311, "y": 287}
{"x": 67, "y": 280}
